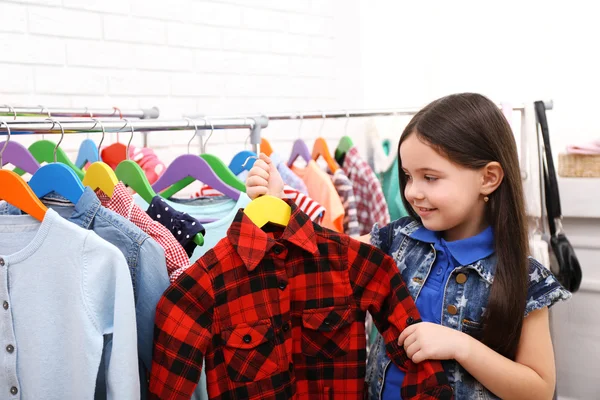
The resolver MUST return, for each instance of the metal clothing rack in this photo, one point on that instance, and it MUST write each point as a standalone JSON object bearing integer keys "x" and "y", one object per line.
{"x": 76, "y": 126}
{"x": 41, "y": 111}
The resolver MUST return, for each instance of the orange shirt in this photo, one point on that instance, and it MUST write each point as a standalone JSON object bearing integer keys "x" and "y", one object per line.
{"x": 321, "y": 189}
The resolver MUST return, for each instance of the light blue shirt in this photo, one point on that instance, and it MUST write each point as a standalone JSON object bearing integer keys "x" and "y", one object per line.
{"x": 145, "y": 259}
{"x": 63, "y": 289}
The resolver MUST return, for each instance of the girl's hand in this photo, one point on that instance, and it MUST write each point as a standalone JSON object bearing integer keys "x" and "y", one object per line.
{"x": 428, "y": 341}
{"x": 263, "y": 178}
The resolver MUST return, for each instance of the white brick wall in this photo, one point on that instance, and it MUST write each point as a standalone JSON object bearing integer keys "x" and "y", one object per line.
{"x": 184, "y": 56}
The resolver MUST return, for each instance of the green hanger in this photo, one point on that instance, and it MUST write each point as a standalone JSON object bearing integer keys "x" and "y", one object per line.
{"x": 131, "y": 174}
{"x": 343, "y": 146}
{"x": 43, "y": 151}
{"x": 220, "y": 169}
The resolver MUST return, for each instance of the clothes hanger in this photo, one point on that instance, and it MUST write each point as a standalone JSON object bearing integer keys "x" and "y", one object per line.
{"x": 265, "y": 147}
{"x": 88, "y": 151}
{"x": 196, "y": 168}
{"x": 243, "y": 161}
{"x": 219, "y": 167}
{"x": 16, "y": 154}
{"x": 238, "y": 162}
{"x": 345, "y": 143}
{"x": 57, "y": 177}
{"x": 99, "y": 175}
{"x": 47, "y": 151}
{"x": 14, "y": 190}
{"x": 299, "y": 149}
{"x": 320, "y": 149}
{"x": 131, "y": 174}
{"x": 268, "y": 209}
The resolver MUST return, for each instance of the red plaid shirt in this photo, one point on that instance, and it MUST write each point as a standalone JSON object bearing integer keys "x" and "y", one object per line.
{"x": 123, "y": 204}
{"x": 370, "y": 200}
{"x": 281, "y": 315}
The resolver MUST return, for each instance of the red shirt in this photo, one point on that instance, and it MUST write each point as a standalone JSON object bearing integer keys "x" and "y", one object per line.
{"x": 280, "y": 314}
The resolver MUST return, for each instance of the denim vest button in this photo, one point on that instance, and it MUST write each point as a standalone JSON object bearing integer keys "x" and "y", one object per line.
{"x": 461, "y": 278}
{"x": 452, "y": 310}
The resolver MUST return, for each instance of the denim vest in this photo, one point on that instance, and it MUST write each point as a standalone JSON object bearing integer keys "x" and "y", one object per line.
{"x": 465, "y": 298}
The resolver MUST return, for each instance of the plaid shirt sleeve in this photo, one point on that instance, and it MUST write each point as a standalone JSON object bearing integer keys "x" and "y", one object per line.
{"x": 182, "y": 334}
{"x": 379, "y": 288}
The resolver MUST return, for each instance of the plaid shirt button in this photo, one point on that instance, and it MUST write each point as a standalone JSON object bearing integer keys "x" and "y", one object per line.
{"x": 247, "y": 338}
{"x": 286, "y": 327}
{"x": 282, "y": 285}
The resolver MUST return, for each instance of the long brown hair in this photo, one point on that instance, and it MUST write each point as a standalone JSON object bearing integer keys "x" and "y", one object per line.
{"x": 470, "y": 130}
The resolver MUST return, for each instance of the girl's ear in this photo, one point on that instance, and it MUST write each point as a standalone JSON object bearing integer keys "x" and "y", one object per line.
{"x": 492, "y": 175}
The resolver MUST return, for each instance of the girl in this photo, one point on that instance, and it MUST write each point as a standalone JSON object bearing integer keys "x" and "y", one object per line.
{"x": 463, "y": 253}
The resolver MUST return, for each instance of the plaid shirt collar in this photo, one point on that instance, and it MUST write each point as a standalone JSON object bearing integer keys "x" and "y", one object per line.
{"x": 120, "y": 198}
{"x": 252, "y": 243}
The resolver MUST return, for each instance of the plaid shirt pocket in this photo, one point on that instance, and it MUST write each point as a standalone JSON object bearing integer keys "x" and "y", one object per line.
{"x": 250, "y": 351}
{"x": 326, "y": 331}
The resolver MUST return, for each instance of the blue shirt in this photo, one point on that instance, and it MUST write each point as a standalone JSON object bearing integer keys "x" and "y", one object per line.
{"x": 448, "y": 256}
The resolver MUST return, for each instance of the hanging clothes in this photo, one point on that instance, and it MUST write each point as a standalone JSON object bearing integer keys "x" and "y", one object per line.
{"x": 370, "y": 201}
{"x": 287, "y": 175}
{"x": 390, "y": 183}
{"x": 322, "y": 190}
{"x": 183, "y": 226}
{"x": 312, "y": 208}
{"x": 265, "y": 329}
{"x": 220, "y": 212}
{"x": 123, "y": 204}
{"x": 63, "y": 289}
{"x": 145, "y": 157}
{"x": 145, "y": 259}
{"x": 343, "y": 186}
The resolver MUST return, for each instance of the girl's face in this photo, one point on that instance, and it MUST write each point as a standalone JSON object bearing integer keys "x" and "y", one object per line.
{"x": 445, "y": 195}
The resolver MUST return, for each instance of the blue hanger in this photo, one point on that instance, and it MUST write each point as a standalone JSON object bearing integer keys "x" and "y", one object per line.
{"x": 237, "y": 162}
{"x": 57, "y": 177}
{"x": 300, "y": 149}
{"x": 88, "y": 152}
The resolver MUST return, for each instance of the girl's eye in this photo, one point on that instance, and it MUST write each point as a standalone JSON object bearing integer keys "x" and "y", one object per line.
{"x": 408, "y": 177}
{"x": 430, "y": 178}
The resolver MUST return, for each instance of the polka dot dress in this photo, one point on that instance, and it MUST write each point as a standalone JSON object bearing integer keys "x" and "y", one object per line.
{"x": 182, "y": 225}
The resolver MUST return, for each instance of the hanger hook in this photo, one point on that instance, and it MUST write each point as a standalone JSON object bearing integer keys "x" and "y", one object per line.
{"x": 195, "y": 132}
{"x": 11, "y": 109}
{"x": 322, "y": 123}
{"x": 252, "y": 124}
{"x": 49, "y": 115}
{"x": 212, "y": 129}
{"x": 96, "y": 122}
{"x": 62, "y": 134}
{"x": 5, "y": 143}
{"x": 300, "y": 125}
{"x": 347, "y": 122}
{"x": 127, "y": 123}
{"x": 115, "y": 109}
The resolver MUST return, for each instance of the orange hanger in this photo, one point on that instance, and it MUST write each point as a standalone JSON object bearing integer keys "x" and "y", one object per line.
{"x": 265, "y": 147}
{"x": 320, "y": 149}
{"x": 17, "y": 192}
{"x": 14, "y": 190}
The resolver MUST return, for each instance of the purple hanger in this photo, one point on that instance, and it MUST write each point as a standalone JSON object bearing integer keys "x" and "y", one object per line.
{"x": 18, "y": 155}
{"x": 193, "y": 166}
{"x": 300, "y": 149}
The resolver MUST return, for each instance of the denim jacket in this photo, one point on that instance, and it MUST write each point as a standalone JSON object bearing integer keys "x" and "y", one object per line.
{"x": 145, "y": 259}
{"x": 465, "y": 298}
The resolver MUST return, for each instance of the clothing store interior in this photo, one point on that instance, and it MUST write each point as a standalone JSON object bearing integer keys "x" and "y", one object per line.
{"x": 310, "y": 199}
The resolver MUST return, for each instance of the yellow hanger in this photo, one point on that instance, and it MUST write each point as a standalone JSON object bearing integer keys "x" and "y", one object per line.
{"x": 267, "y": 208}
{"x": 99, "y": 175}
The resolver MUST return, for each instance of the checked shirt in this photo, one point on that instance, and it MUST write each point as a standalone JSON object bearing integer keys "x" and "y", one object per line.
{"x": 279, "y": 314}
